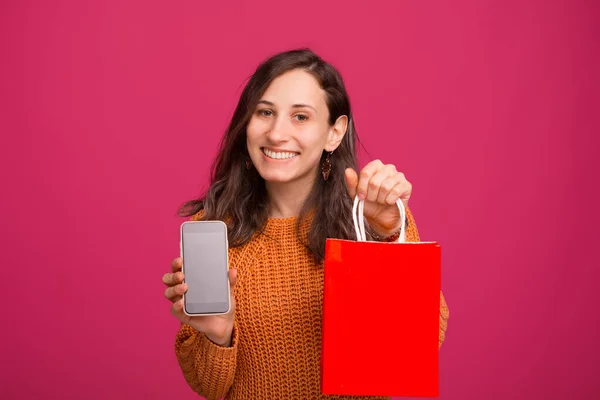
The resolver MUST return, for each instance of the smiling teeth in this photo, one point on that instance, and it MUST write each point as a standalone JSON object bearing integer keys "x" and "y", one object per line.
{"x": 279, "y": 156}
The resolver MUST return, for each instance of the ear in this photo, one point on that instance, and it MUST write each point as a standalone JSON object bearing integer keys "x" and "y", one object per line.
{"x": 336, "y": 133}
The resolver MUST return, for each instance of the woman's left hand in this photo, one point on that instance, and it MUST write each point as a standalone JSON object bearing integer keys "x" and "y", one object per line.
{"x": 380, "y": 185}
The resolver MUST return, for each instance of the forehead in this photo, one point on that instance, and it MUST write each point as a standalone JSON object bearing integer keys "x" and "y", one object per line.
{"x": 295, "y": 87}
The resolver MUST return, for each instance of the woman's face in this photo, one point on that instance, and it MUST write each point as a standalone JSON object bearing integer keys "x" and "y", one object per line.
{"x": 289, "y": 129}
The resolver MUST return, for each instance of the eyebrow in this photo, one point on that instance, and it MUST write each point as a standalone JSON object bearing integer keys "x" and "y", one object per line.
{"x": 299, "y": 105}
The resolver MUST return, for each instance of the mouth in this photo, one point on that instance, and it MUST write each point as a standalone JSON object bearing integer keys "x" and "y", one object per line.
{"x": 279, "y": 155}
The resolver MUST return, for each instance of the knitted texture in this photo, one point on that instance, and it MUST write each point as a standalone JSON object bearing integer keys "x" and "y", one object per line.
{"x": 276, "y": 343}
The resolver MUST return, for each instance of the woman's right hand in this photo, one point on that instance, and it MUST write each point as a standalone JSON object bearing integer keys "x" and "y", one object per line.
{"x": 218, "y": 328}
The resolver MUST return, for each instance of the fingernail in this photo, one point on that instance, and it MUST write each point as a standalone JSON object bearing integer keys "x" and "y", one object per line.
{"x": 361, "y": 196}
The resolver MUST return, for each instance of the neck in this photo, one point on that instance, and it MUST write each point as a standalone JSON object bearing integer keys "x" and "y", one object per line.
{"x": 286, "y": 199}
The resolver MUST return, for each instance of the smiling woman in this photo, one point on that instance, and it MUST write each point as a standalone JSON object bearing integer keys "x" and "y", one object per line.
{"x": 294, "y": 103}
{"x": 284, "y": 181}
{"x": 287, "y": 135}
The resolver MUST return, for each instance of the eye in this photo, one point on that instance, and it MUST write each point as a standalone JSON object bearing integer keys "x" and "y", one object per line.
{"x": 265, "y": 112}
{"x": 301, "y": 117}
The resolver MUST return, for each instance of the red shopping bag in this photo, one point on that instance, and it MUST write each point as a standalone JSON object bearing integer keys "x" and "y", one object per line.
{"x": 381, "y": 308}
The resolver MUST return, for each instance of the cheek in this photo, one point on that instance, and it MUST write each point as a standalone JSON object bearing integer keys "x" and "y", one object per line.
{"x": 250, "y": 130}
{"x": 314, "y": 139}
{"x": 256, "y": 127}
{"x": 313, "y": 148}
{"x": 253, "y": 132}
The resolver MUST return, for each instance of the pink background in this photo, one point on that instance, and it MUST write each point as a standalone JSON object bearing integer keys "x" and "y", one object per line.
{"x": 111, "y": 112}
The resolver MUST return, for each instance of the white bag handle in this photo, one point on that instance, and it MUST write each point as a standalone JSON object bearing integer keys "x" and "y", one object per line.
{"x": 359, "y": 225}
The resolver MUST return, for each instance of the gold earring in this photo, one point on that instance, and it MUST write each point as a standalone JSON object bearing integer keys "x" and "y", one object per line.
{"x": 326, "y": 168}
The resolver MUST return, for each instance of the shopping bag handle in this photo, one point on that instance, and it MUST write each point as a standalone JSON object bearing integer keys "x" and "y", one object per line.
{"x": 359, "y": 225}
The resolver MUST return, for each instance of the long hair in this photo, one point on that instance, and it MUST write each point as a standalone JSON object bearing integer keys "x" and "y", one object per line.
{"x": 238, "y": 195}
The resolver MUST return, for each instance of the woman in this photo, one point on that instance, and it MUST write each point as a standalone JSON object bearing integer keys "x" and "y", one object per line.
{"x": 284, "y": 181}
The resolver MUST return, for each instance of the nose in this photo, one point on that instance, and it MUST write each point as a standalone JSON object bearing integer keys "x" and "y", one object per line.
{"x": 277, "y": 132}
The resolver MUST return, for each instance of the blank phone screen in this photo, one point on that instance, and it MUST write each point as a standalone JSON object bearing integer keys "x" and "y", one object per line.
{"x": 204, "y": 251}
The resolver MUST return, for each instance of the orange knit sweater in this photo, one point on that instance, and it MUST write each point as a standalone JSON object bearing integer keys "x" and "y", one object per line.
{"x": 276, "y": 341}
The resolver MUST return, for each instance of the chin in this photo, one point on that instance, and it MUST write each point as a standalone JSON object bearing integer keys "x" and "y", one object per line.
{"x": 277, "y": 177}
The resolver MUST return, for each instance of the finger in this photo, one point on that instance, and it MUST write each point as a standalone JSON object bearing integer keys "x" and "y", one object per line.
{"x": 173, "y": 292}
{"x": 177, "y": 309}
{"x": 176, "y": 264}
{"x": 233, "y": 276}
{"x": 176, "y": 299}
{"x": 401, "y": 191}
{"x": 386, "y": 187}
{"x": 375, "y": 185}
{"x": 365, "y": 177}
{"x": 377, "y": 179}
{"x": 394, "y": 177}
{"x": 171, "y": 279}
{"x": 405, "y": 190}
{"x": 351, "y": 182}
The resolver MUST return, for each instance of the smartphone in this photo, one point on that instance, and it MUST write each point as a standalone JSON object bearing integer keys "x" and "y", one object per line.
{"x": 204, "y": 251}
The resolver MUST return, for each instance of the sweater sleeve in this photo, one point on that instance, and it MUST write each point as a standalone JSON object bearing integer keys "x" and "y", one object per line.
{"x": 208, "y": 368}
{"x": 412, "y": 235}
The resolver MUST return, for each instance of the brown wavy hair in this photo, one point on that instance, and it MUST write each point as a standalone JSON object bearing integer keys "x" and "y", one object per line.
{"x": 238, "y": 195}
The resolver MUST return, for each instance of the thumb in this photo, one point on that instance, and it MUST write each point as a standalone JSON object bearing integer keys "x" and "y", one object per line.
{"x": 351, "y": 182}
{"x": 233, "y": 277}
